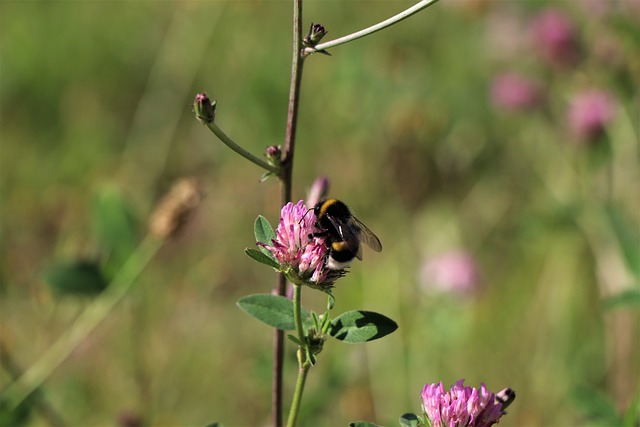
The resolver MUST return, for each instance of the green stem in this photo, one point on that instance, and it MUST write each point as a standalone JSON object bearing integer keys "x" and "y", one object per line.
{"x": 297, "y": 311}
{"x": 90, "y": 318}
{"x": 303, "y": 363}
{"x": 374, "y": 28}
{"x": 48, "y": 412}
{"x": 213, "y": 127}
{"x": 297, "y": 396}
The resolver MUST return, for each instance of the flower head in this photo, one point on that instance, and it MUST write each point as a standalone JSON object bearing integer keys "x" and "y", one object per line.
{"x": 514, "y": 92}
{"x": 450, "y": 272}
{"x": 460, "y": 406}
{"x": 589, "y": 113}
{"x": 299, "y": 250}
{"x": 555, "y": 38}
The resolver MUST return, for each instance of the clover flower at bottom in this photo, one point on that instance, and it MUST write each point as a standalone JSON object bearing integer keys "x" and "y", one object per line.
{"x": 299, "y": 250}
{"x": 460, "y": 406}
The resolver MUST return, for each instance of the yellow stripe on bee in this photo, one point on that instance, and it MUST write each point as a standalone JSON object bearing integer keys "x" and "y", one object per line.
{"x": 326, "y": 204}
{"x": 339, "y": 246}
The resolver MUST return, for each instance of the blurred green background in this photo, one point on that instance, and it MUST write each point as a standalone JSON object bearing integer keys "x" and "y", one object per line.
{"x": 96, "y": 100}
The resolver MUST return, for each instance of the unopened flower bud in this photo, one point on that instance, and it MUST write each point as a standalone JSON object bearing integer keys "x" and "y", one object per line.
{"x": 175, "y": 208}
{"x": 274, "y": 155}
{"x": 315, "y": 34}
{"x": 315, "y": 340}
{"x": 318, "y": 191}
{"x": 204, "y": 108}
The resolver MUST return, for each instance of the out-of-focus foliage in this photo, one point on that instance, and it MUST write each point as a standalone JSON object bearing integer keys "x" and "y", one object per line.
{"x": 533, "y": 175}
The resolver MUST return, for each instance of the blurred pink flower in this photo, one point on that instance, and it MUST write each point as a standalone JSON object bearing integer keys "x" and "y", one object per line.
{"x": 318, "y": 191}
{"x": 513, "y": 91}
{"x": 555, "y": 38}
{"x": 589, "y": 113}
{"x": 460, "y": 406}
{"x": 454, "y": 272}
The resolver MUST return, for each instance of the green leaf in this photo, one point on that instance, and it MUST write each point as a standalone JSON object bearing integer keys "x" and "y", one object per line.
{"x": 361, "y": 326}
{"x": 409, "y": 420}
{"x": 627, "y": 239}
{"x": 274, "y": 310}
{"x": 262, "y": 258}
{"x": 263, "y": 231}
{"x": 629, "y": 298}
{"x": 295, "y": 340}
{"x": 362, "y": 424}
{"x": 76, "y": 278}
{"x": 114, "y": 225}
{"x": 331, "y": 300}
{"x": 312, "y": 359}
{"x": 267, "y": 175}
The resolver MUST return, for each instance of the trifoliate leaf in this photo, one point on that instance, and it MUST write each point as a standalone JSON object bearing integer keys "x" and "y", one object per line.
{"x": 361, "y": 326}
{"x": 274, "y": 310}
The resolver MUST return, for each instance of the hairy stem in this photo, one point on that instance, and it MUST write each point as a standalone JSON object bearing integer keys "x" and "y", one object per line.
{"x": 303, "y": 362}
{"x": 297, "y": 311}
{"x": 374, "y": 28}
{"x": 297, "y": 396}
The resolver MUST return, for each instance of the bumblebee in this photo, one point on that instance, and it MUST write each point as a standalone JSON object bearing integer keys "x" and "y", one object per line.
{"x": 344, "y": 233}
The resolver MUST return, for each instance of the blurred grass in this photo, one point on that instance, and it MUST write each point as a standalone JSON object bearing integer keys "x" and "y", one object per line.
{"x": 98, "y": 93}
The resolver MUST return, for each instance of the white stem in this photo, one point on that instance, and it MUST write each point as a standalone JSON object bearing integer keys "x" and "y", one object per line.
{"x": 370, "y": 30}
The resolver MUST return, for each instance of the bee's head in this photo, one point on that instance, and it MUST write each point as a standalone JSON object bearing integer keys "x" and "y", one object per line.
{"x": 318, "y": 207}
{"x": 331, "y": 207}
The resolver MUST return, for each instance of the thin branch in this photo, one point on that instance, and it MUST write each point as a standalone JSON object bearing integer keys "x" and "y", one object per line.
{"x": 374, "y": 28}
{"x": 213, "y": 127}
{"x": 294, "y": 89}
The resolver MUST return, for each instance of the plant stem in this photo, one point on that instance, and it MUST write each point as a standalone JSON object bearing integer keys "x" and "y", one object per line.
{"x": 297, "y": 396}
{"x": 374, "y": 28}
{"x": 303, "y": 362}
{"x": 297, "y": 311}
{"x": 278, "y": 362}
{"x": 38, "y": 400}
{"x": 213, "y": 127}
{"x": 285, "y": 194}
{"x": 90, "y": 318}
{"x": 294, "y": 89}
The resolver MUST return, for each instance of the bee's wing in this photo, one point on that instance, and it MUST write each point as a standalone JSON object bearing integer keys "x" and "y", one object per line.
{"x": 368, "y": 237}
{"x": 349, "y": 233}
